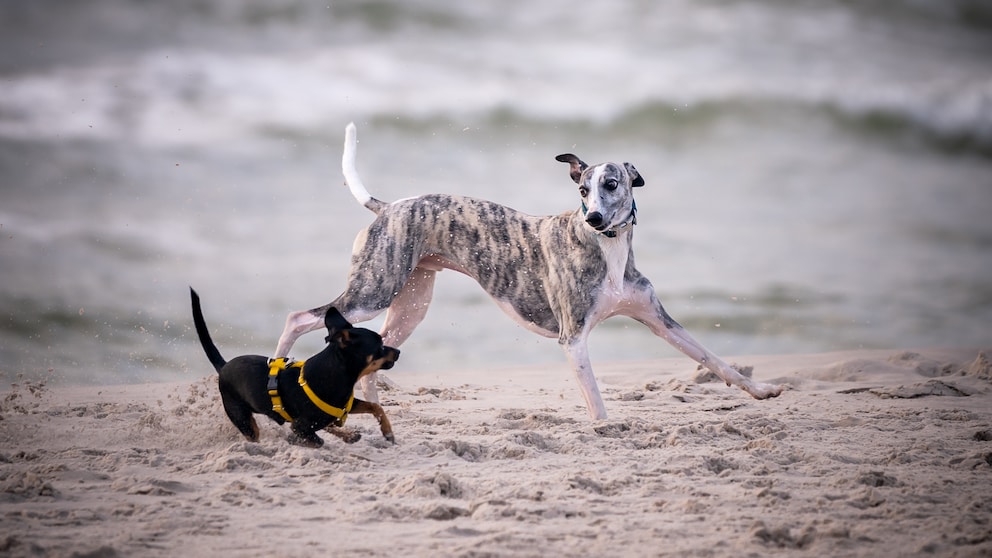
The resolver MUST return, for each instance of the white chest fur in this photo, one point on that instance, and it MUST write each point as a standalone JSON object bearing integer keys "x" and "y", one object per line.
{"x": 615, "y": 251}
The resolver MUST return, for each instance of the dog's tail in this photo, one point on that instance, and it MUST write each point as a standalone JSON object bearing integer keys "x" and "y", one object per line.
{"x": 351, "y": 177}
{"x": 201, "y": 330}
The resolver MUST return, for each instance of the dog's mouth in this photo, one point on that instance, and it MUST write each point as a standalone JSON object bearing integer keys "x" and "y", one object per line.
{"x": 386, "y": 359}
{"x": 598, "y": 222}
{"x": 392, "y": 355}
{"x": 600, "y": 228}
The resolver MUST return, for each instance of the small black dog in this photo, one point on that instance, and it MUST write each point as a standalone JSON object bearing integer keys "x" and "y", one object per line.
{"x": 317, "y": 394}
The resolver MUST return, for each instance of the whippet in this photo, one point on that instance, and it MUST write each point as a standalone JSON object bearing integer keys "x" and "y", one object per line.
{"x": 557, "y": 276}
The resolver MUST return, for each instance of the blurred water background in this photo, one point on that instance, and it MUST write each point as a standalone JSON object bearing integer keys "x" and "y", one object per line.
{"x": 819, "y": 173}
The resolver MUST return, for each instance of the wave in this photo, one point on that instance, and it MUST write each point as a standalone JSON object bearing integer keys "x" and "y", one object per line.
{"x": 943, "y": 129}
{"x": 948, "y": 129}
{"x": 215, "y": 73}
{"x": 170, "y": 104}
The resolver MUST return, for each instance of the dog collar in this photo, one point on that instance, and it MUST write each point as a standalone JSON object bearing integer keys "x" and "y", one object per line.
{"x": 631, "y": 220}
{"x": 280, "y": 364}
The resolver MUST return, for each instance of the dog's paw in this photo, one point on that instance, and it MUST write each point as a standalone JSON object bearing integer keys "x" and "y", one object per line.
{"x": 313, "y": 441}
{"x": 763, "y": 391}
{"x": 346, "y": 435}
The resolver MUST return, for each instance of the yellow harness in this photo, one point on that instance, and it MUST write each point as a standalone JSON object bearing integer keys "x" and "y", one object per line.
{"x": 280, "y": 364}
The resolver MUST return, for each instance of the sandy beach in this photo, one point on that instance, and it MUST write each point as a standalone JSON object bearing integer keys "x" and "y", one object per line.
{"x": 872, "y": 453}
{"x": 818, "y": 177}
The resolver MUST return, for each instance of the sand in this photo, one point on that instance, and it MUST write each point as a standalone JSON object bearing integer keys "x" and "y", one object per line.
{"x": 875, "y": 453}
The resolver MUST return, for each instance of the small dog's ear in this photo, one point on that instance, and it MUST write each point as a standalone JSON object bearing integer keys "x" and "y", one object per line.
{"x": 341, "y": 337}
{"x": 335, "y": 322}
{"x": 636, "y": 180}
{"x": 576, "y": 166}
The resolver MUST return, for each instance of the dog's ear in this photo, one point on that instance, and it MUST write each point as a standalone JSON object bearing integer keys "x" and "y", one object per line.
{"x": 336, "y": 325}
{"x": 636, "y": 180}
{"x": 576, "y": 166}
{"x": 341, "y": 337}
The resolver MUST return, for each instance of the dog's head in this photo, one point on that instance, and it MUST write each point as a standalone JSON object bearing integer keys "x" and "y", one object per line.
{"x": 361, "y": 348}
{"x": 606, "y": 191}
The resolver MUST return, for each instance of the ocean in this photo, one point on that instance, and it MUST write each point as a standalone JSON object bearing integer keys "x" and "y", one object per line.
{"x": 818, "y": 173}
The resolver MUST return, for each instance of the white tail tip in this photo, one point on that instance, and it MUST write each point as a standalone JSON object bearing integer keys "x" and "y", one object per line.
{"x": 351, "y": 177}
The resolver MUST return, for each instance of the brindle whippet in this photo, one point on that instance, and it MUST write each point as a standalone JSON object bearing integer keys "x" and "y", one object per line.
{"x": 557, "y": 276}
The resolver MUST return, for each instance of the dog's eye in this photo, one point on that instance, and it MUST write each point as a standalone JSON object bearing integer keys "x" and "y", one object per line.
{"x": 610, "y": 184}
{"x": 583, "y": 191}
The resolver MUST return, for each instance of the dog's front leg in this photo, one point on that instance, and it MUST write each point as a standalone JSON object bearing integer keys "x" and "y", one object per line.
{"x": 303, "y": 434}
{"x": 681, "y": 340}
{"x": 648, "y": 310}
{"x": 578, "y": 356}
{"x": 347, "y": 436}
{"x": 377, "y": 411}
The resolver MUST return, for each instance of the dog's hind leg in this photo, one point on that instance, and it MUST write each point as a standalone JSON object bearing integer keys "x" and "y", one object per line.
{"x": 241, "y": 415}
{"x": 405, "y": 313}
{"x": 409, "y": 307}
{"x": 305, "y": 321}
{"x": 376, "y": 277}
{"x": 297, "y": 323}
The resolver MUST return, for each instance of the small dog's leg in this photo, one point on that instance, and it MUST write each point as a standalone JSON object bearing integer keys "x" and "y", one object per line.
{"x": 240, "y": 415}
{"x": 377, "y": 411}
{"x": 578, "y": 357}
{"x": 303, "y": 435}
{"x": 254, "y": 430}
{"x": 346, "y": 435}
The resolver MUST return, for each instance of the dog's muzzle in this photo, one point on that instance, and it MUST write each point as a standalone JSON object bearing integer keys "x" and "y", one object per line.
{"x": 390, "y": 356}
{"x": 595, "y": 220}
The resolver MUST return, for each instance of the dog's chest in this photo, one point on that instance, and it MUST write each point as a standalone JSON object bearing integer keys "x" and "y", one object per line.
{"x": 615, "y": 253}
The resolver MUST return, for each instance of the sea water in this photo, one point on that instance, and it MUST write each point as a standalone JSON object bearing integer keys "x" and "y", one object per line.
{"x": 818, "y": 174}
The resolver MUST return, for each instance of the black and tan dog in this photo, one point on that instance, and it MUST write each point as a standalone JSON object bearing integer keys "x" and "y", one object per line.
{"x": 315, "y": 394}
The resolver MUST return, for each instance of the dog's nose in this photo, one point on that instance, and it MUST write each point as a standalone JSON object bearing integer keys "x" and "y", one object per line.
{"x": 392, "y": 355}
{"x": 595, "y": 219}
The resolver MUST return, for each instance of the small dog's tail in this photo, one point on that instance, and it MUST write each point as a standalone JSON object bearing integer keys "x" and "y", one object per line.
{"x": 201, "y": 330}
{"x": 351, "y": 177}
